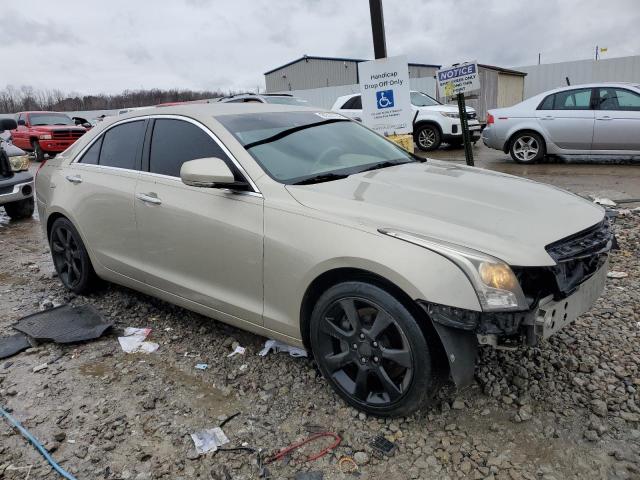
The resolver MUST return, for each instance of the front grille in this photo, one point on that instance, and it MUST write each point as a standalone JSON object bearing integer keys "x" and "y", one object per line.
{"x": 586, "y": 243}
{"x": 67, "y": 133}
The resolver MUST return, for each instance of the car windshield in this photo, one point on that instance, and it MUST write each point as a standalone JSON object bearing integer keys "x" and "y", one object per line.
{"x": 50, "y": 119}
{"x": 287, "y": 101}
{"x": 419, "y": 99}
{"x": 295, "y": 147}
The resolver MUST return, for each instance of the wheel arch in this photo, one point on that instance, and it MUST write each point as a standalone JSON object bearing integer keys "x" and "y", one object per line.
{"x": 335, "y": 276}
{"x": 507, "y": 145}
{"x": 427, "y": 121}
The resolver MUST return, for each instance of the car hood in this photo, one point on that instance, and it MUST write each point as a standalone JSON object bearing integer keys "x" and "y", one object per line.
{"x": 508, "y": 217}
{"x": 53, "y": 128}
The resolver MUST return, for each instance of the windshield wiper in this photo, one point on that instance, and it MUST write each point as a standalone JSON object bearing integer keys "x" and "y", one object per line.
{"x": 323, "y": 177}
{"x": 291, "y": 130}
{"x": 385, "y": 164}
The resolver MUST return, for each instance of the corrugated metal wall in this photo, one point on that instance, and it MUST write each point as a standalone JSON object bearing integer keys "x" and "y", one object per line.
{"x": 541, "y": 78}
{"x": 312, "y": 73}
{"x": 326, "y": 97}
{"x": 419, "y": 71}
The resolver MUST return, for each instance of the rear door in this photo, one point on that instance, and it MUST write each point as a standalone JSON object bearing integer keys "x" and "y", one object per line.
{"x": 100, "y": 188}
{"x": 617, "y": 126}
{"x": 203, "y": 244}
{"x": 567, "y": 118}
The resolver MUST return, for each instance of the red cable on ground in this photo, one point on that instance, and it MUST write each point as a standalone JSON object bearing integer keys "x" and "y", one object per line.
{"x": 295, "y": 446}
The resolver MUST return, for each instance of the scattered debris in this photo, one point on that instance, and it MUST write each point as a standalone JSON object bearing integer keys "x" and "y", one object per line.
{"x": 237, "y": 351}
{"x": 614, "y": 274}
{"x": 382, "y": 445}
{"x": 277, "y": 346}
{"x": 134, "y": 341}
{"x": 209, "y": 440}
{"x": 294, "y": 446}
{"x": 309, "y": 476}
{"x": 64, "y": 324}
{"x": 42, "y": 366}
{"x": 13, "y": 344}
{"x": 605, "y": 202}
{"x": 202, "y": 366}
{"x": 347, "y": 464}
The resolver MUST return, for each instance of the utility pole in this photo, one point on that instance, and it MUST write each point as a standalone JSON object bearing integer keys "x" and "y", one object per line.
{"x": 539, "y": 55}
{"x": 464, "y": 124}
{"x": 596, "y": 52}
{"x": 377, "y": 28}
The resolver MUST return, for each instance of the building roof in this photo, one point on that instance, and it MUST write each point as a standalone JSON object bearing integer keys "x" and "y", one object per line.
{"x": 502, "y": 70}
{"x": 340, "y": 59}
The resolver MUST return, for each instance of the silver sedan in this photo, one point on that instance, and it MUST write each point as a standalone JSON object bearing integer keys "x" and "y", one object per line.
{"x": 594, "y": 119}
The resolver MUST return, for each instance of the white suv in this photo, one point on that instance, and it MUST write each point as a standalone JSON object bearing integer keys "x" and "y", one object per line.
{"x": 435, "y": 123}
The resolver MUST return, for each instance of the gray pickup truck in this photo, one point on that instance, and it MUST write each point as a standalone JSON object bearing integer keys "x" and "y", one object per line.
{"x": 16, "y": 183}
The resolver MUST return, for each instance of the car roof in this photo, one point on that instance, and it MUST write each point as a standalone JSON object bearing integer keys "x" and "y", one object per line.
{"x": 590, "y": 85}
{"x": 208, "y": 110}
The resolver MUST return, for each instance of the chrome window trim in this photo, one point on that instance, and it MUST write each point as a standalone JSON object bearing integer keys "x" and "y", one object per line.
{"x": 198, "y": 124}
{"x": 221, "y": 189}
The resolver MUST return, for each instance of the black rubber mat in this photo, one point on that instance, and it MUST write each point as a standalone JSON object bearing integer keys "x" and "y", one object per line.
{"x": 64, "y": 324}
{"x": 13, "y": 344}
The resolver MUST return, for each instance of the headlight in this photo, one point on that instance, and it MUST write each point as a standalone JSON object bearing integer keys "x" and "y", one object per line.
{"x": 45, "y": 136}
{"x": 19, "y": 163}
{"x": 495, "y": 283}
{"x": 450, "y": 115}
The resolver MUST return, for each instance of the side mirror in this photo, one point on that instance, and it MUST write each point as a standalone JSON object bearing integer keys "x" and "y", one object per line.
{"x": 206, "y": 172}
{"x": 7, "y": 124}
{"x": 21, "y": 122}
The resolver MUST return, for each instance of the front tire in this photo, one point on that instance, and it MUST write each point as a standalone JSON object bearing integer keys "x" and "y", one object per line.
{"x": 428, "y": 138}
{"x": 70, "y": 257}
{"x": 37, "y": 151}
{"x": 371, "y": 350}
{"x": 527, "y": 147}
{"x": 20, "y": 209}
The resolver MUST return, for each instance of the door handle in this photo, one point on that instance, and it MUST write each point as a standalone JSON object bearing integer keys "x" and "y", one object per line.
{"x": 548, "y": 117}
{"x": 605, "y": 117}
{"x": 74, "y": 179}
{"x": 149, "y": 198}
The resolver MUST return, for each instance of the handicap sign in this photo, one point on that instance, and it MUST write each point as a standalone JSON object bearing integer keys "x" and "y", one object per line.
{"x": 384, "y": 99}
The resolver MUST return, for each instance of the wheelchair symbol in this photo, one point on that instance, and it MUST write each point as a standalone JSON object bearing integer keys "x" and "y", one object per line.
{"x": 384, "y": 99}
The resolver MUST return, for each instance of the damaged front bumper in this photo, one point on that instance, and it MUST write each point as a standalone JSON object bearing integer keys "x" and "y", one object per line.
{"x": 462, "y": 331}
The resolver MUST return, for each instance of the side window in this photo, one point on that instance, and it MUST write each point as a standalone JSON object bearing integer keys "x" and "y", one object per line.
{"x": 120, "y": 145}
{"x": 91, "y": 156}
{"x": 175, "y": 142}
{"x": 619, "y": 99}
{"x": 573, "y": 100}
{"x": 547, "y": 103}
{"x": 354, "y": 103}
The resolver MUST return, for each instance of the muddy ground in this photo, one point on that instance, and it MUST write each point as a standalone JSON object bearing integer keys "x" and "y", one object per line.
{"x": 569, "y": 409}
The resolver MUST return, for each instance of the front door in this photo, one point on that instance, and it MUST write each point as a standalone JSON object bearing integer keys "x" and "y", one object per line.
{"x": 567, "y": 119}
{"x": 617, "y": 120}
{"x": 203, "y": 244}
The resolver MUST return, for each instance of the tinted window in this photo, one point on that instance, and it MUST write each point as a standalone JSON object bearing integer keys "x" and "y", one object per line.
{"x": 91, "y": 155}
{"x": 175, "y": 142}
{"x": 120, "y": 145}
{"x": 573, "y": 100}
{"x": 547, "y": 103}
{"x": 354, "y": 103}
{"x": 619, "y": 99}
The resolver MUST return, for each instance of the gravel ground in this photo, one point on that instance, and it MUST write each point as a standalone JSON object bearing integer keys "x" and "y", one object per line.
{"x": 568, "y": 409}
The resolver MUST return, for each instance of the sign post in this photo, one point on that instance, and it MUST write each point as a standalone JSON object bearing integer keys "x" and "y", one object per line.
{"x": 386, "y": 101}
{"x": 457, "y": 80}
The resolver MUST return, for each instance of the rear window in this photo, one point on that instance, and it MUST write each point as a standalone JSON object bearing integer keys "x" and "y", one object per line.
{"x": 91, "y": 156}
{"x": 121, "y": 144}
{"x": 354, "y": 103}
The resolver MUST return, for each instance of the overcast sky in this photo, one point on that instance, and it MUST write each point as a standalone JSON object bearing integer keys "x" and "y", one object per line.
{"x": 107, "y": 46}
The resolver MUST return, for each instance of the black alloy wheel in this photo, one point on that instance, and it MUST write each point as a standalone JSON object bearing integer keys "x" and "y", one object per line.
{"x": 371, "y": 349}
{"x": 70, "y": 257}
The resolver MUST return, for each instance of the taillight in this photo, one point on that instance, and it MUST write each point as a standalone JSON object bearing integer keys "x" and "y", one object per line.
{"x": 490, "y": 119}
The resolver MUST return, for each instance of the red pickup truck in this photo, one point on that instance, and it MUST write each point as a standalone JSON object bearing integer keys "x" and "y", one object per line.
{"x": 45, "y": 132}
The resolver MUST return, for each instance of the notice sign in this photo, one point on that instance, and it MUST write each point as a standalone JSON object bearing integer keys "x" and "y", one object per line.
{"x": 458, "y": 79}
{"x": 386, "y": 104}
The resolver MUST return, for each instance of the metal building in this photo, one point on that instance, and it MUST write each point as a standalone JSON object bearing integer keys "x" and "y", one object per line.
{"x": 548, "y": 76}
{"x": 310, "y": 72}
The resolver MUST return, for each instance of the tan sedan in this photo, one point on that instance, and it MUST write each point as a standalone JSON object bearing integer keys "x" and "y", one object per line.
{"x": 304, "y": 226}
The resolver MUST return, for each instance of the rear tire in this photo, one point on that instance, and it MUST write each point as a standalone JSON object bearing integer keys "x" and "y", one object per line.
{"x": 371, "y": 350}
{"x": 70, "y": 257}
{"x": 20, "y": 209}
{"x": 527, "y": 147}
{"x": 428, "y": 137}
{"x": 37, "y": 151}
